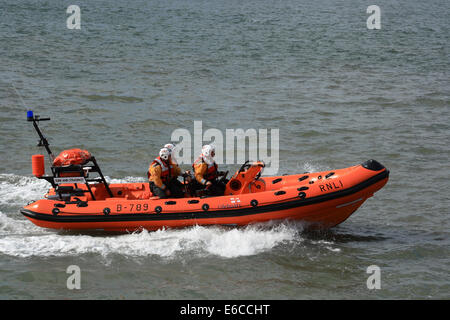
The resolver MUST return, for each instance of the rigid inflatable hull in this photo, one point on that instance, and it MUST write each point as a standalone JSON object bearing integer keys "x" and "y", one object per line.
{"x": 328, "y": 199}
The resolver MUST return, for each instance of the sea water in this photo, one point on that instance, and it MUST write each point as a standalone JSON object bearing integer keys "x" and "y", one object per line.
{"x": 338, "y": 93}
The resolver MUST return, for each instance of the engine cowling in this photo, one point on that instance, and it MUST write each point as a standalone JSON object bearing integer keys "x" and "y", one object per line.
{"x": 246, "y": 179}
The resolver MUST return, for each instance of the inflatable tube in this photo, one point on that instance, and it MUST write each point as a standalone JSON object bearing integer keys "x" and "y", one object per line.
{"x": 322, "y": 199}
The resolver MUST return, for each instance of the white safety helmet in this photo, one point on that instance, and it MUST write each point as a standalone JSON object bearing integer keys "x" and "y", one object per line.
{"x": 208, "y": 151}
{"x": 164, "y": 154}
{"x": 170, "y": 146}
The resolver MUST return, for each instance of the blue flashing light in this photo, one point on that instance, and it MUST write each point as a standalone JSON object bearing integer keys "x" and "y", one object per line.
{"x": 30, "y": 115}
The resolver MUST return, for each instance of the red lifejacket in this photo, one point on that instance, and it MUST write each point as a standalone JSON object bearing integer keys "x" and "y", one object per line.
{"x": 211, "y": 171}
{"x": 165, "y": 169}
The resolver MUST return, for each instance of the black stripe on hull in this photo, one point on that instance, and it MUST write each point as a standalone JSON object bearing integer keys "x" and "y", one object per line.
{"x": 208, "y": 214}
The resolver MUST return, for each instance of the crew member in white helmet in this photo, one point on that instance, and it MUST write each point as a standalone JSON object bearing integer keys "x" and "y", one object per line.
{"x": 163, "y": 174}
{"x": 186, "y": 174}
{"x": 206, "y": 172}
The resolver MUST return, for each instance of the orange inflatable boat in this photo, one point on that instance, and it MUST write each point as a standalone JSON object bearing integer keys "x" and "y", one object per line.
{"x": 79, "y": 201}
